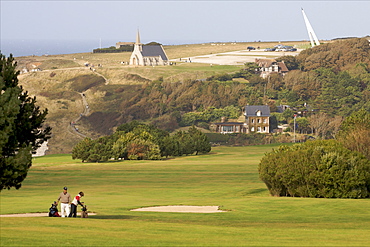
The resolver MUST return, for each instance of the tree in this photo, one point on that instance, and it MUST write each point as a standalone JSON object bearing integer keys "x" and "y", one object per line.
{"x": 120, "y": 146}
{"x": 186, "y": 143}
{"x": 319, "y": 123}
{"x": 290, "y": 61}
{"x": 273, "y": 121}
{"x": 336, "y": 55}
{"x": 128, "y": 127}
{"x": 21, "y": 126}
{"x": 251, "y": 67}
{"x": 140, "y": 149}
{"x": 101, "y": 150}
{"x": 200, "y": 141}
{"x": 81, "y": 150}
{"x": 302, "y": 125}
{"x": 171, "y": 146}
{"x": 322, "y": 168}
{"x": 355, "y": 132}
{"x": 287, "y": 115}
{"x": 135, "y": 146}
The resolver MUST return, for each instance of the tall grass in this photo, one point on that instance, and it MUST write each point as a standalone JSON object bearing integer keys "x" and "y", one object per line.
{"x": 227, "y": 177}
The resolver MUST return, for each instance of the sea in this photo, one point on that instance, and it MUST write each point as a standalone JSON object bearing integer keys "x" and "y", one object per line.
{"x": 19, "y": 48}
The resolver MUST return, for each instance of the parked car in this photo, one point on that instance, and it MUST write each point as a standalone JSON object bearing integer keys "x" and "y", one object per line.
{"x": 270, "y": 49}
{"x": 283, "y": 48}
{"x": 292, "y": 49}
{"x": 250, "y": 48}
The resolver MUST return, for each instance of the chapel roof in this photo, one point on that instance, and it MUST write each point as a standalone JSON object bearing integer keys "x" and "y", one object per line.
{"x": 154, "y": 51}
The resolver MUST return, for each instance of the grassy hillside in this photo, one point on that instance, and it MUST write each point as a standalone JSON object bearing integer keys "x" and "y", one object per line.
{"x": 227, "y": 177}
{"x": 64, "y": 77}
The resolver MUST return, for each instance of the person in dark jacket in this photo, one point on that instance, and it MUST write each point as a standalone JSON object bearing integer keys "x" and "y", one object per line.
{"x": 76, "y": 201}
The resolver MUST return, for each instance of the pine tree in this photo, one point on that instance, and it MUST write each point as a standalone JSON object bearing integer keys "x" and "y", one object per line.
{"x": 21, "y": 126}
{"x": 199, "y": 140}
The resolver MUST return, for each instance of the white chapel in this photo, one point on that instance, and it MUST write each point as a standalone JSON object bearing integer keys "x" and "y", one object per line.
{"x": 147, "y": 55}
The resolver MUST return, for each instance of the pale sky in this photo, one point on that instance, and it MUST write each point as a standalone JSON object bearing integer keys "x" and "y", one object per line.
{"x": 179, "y": 22}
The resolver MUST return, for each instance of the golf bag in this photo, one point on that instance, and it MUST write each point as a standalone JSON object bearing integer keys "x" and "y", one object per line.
{"x": 53, "y": 210}
{"x": 84, "y": 212}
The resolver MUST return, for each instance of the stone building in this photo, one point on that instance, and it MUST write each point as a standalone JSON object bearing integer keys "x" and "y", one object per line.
{"x": 256, "y": 119}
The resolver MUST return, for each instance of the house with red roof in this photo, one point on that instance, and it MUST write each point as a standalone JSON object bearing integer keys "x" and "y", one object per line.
{"x": 269, "y": 66}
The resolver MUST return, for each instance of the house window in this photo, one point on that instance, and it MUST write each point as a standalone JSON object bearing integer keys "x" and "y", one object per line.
{"x": 227, "y": 128}
{"x": 252, "y": 120}
{"x": 264, "y": 129}
{"x": 258, "y": 120}
{"x": 252, "y": 129}
{"x": 264, "y": 120}
{"x": 258, "y": 129}
{"x": 258, "y": 113}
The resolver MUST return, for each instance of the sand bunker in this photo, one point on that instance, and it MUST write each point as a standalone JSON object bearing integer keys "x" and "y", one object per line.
{"x": 33, "y": 215}
{"x": 171, "y": 209}
{"x": 182, "y": 209}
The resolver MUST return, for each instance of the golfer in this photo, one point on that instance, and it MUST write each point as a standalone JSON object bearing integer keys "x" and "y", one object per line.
{"x": 75, "y": 203}
{"x": 65, "y": 199}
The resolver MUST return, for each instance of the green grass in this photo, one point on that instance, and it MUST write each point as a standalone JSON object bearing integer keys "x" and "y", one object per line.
{"x": 228, "y": 178}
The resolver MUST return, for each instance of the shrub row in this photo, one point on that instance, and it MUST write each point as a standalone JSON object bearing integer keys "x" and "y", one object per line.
{"x": 316, "y": 169}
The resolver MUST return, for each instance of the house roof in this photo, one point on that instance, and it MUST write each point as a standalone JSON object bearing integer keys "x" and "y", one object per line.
{"x": 154, "y": 51}
{"x": 283, "y": 67}
{"x": 251, "y": 110}
{"x": 265, "y": 62}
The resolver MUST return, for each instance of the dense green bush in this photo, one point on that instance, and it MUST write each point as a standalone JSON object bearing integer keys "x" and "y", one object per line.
{"x": 241, "y": 139}
{"x": 355, "y": 132}
{"x": 316, "y": 169}
{"x": 138, "y": 141}
{"x": 99, "y": 150}
{"x": 217, "y": 138}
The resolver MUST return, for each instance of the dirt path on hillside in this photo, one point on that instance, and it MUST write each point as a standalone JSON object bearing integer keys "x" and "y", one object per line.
{"x": 72, "y": 127}
{"x": 106, "y": 80}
